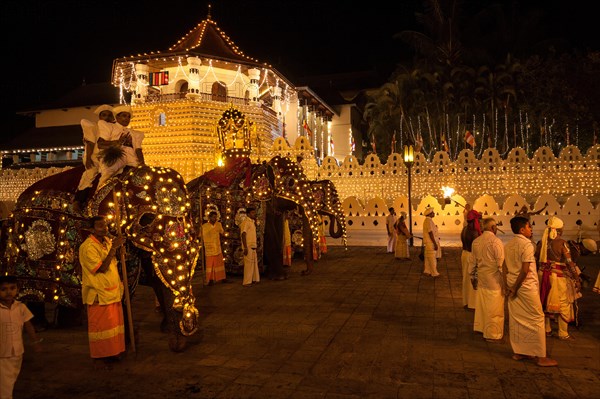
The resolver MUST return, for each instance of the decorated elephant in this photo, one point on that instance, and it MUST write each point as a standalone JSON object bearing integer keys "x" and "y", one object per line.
{"x": 149, "y": 205}
{"x": 275, "y": 188}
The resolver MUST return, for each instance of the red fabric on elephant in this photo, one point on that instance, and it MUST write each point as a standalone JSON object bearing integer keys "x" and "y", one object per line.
{"x": 233, "y": 168}
{"x": 65, "y": 181}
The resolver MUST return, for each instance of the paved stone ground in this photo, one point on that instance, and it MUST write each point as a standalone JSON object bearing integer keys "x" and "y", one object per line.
{"x": 363, "y": 325}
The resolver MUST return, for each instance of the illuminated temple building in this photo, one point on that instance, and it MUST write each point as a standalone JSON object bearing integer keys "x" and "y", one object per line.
{"x": 177, "y": 98}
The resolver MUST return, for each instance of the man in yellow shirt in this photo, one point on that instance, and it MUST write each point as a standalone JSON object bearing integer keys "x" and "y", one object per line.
{"x": 211, "y": 236}
{"x": 102, "y": 291}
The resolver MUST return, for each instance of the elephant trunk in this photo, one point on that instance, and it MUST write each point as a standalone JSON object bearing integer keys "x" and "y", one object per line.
{"x": 335, "y": 227}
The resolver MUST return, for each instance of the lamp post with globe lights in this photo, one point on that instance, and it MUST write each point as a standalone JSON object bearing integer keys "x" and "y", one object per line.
{"x": 409, "y": 160}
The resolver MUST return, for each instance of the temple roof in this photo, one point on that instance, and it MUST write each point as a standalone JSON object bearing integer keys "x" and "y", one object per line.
{"x": 205, "y": 40}
{"x": 86, "y": 95}
{"x": 45, "y": 138}
{"x": 208, "y": 39}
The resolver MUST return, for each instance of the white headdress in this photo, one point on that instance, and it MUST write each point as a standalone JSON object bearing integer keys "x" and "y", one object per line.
{"x": 104, "y": 107}
{"x": 550, "y": 233}
{"x": 122, "y": 108}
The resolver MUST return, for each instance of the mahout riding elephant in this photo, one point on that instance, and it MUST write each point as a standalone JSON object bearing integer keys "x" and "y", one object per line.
{"x": 273, "y": 187}
{"x": 149, "y": 205}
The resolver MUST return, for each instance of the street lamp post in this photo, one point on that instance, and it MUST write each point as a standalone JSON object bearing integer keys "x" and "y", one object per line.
{"x": 409, "y": 160}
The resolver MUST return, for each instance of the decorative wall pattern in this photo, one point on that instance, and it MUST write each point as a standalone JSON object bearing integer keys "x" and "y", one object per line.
{"x": 568, "y": 185}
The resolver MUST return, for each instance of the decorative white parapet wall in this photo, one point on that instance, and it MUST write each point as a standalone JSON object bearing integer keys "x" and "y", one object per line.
{"x": 568, "y": 184}
{"x": 561, "y": 176}
{"x": 366, "y": 223}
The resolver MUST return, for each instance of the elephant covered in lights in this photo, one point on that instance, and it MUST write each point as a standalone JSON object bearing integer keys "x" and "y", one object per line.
{"x": 327, "y": 203}
{"x": 275, "y": 187}
{"x": 149, "y": 205}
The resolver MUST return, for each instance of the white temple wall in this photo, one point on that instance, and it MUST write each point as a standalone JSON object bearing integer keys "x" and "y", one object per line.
{"x": 341, "y": 132}
{"x": 366, "y": 224}
{"x": 568, "y": 185}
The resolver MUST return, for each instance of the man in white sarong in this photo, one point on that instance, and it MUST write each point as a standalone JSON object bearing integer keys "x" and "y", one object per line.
{"x": 390, "y": 223}
{"x": 485, "y": 268}
{"x": 249, "y": 245}
{"x": 119, "y": 136}
{"x": 525, "y": 314}
{"x": 431, "y": 241}
{"x": 469, "y": 233}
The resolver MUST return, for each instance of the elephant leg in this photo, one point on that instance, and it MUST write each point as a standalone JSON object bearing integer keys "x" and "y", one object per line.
{"x": 69, "y": 317}
{"x": 308, "y": 247}
{"x": 39, "y": 315}
{"x": 170, "y": 322}
{"x": 157, "y": 287}
{"x": 273, "y": 245}
{"x": 159, "y": 293}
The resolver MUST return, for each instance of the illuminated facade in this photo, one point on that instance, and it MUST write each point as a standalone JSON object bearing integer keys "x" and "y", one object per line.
{"x": 179, "y": 95}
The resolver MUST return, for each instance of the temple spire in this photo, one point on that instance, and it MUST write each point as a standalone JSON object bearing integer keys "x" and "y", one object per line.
{"x": 209, "y": 7}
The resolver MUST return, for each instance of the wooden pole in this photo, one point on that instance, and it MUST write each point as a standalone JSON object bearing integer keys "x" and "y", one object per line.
{"x": 124, "y": 272}
{"x": 204, "y": 282}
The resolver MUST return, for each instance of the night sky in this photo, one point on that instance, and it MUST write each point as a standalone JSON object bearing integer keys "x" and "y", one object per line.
{"x": 51, "y": 47}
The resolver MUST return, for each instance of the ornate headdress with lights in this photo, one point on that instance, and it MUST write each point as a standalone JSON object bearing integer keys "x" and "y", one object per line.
{"x": 234, "y": 132}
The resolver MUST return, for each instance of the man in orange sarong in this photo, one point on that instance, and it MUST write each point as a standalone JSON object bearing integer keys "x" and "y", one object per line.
{"x": 102, "y": 291}
{"x": 211, "y": 235}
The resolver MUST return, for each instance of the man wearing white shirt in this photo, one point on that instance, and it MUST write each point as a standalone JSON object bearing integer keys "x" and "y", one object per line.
{"x": 431, "y": 242}
{"x": 249, "y": 245}
{"x": 485, "y": 268}
{"x": 118, "y": 136}
{"x": 390, "y": 223}
{"x": 525, "y": 314}
{"x": 90, "y": 154}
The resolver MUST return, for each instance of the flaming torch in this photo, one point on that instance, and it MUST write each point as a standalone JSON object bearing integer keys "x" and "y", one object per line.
{"x": 448, "y": 193}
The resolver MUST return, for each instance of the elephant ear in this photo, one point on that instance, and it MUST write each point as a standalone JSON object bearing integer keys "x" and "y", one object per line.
{"x": 100, "y": 204}
{"x": 262, "y": 187}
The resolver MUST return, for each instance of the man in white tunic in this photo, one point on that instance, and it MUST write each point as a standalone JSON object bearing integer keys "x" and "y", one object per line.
{"x": 525, "y": 314}
{"x": 390, "y": 223}
{"x": 120, "y": 136}
{"x": 431, "y": 240}
{"x": 90, "y": 154}
{"x": 249, "y": 244}
{"x": 485, "y": 268}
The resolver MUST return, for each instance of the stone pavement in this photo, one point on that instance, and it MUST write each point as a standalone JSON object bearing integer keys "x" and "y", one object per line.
{"x": 363, "y": 325}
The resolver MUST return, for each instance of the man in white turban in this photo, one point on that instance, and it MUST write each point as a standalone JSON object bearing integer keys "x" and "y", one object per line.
{"x": 431, "y": 241}
{"x": 119, "y": 146}
{"x": 90, "y": 154}
{"x": 560, "y": 286}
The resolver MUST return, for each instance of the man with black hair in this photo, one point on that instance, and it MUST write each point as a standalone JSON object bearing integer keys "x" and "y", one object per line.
{"x": 526, "y": 317}
{"x": 249, "y": 244}
{"x": 102, "y": 290}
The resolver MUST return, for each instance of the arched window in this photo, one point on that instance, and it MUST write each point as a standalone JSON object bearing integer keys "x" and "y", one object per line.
{"x": 184, "y": 88}
{"x": 218, "y": 92}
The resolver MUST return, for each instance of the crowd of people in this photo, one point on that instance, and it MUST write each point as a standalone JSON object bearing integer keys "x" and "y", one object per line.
{"x": 535, "y": 283}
